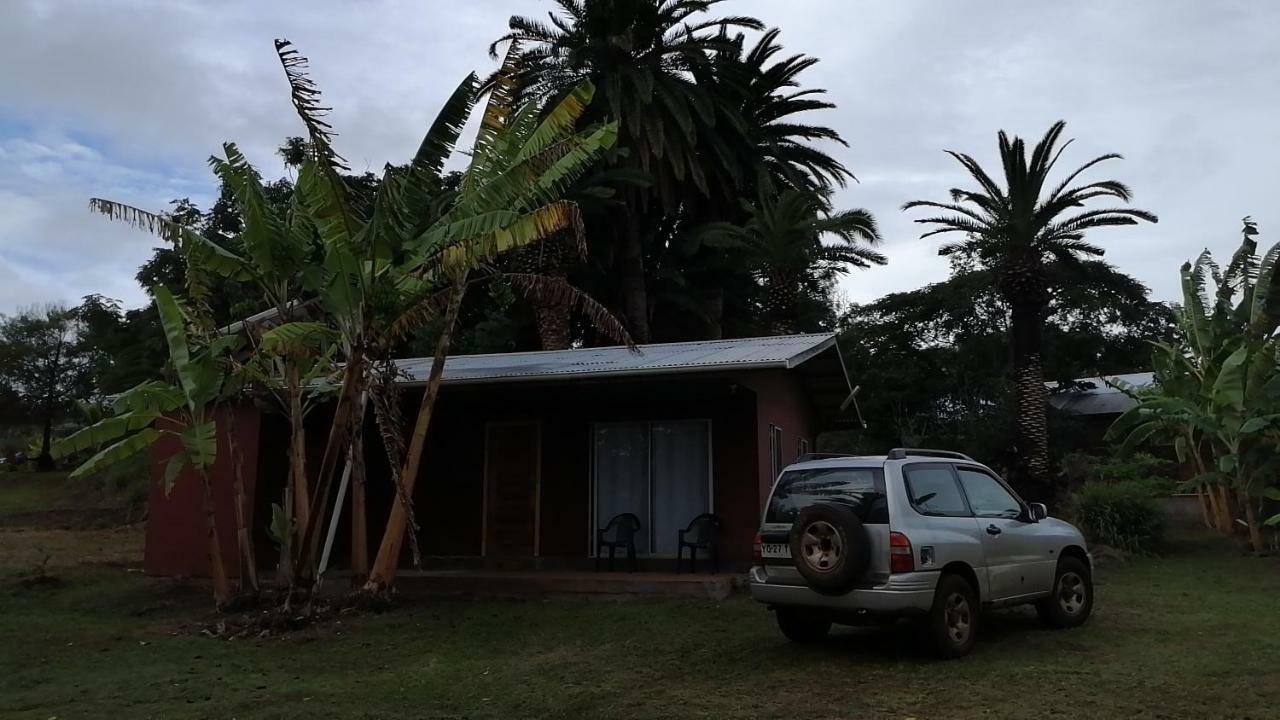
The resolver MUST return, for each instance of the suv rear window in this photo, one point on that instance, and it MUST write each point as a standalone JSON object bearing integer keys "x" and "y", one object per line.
{"x": 859, "y": 488}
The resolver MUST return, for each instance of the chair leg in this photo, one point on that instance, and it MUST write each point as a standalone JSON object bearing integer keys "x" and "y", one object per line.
{"x": 611, "y": 550}
{"x": 693, "y": 559}
{"x": 679, "y": 557}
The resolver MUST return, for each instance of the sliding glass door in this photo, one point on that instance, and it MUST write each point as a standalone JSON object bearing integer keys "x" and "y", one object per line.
{"x": 659, "y": 471}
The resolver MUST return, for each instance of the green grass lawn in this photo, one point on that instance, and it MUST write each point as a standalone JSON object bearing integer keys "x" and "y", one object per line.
{"x": 1195, "y": 634}
{"x": 25, "y": 492}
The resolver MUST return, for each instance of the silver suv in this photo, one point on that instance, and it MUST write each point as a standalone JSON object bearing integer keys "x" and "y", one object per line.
{"x": 928, "y": 534}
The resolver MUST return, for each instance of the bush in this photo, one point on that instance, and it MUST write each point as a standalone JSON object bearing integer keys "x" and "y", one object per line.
{"x": 1120, "y": 514}
{"x": 1157, "y": 474}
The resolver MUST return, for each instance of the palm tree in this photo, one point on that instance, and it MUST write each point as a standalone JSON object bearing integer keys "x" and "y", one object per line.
{"x": 1015, "y": 230}
{"x": 641, "y": 55}
{"x": 783, "y": 237}
{"x": 765, "y": 93}
{"x": 777, "y": 148}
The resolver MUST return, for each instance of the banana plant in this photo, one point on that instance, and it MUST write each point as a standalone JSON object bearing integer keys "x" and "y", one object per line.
{"x": 274, "y": 251}
{"x": 184, "y": 409}
{"x": 412, "y": 259}
{"x": 1218, "y": 387}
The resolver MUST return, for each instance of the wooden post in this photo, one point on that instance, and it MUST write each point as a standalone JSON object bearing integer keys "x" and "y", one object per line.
{"x": 338, "y": 439}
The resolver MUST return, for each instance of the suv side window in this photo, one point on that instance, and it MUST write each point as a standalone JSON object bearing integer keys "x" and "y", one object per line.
{"x": 987, "y": 497}
{"x": 932, "y": 490}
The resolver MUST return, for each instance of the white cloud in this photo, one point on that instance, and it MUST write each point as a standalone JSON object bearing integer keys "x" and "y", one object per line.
{"x": 127, "y": 99}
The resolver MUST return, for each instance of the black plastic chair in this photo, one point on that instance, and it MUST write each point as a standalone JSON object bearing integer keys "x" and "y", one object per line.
{"x": 620, "y": 533}
{"x": 703, "y": 533}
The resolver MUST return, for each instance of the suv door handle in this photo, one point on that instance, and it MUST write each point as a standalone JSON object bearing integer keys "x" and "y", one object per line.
{"x": 993, "y": 530}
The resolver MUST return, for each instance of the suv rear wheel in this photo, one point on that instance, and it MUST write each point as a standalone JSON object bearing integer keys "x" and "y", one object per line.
{"x": 1071, "y": 602}
{"x": 952, "y": 627}
{"x": 802, "y": 627}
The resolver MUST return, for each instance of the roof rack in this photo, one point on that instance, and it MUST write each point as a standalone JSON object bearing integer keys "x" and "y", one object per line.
{"x": 903, "y": 453}
{"x": 806, "y": 457}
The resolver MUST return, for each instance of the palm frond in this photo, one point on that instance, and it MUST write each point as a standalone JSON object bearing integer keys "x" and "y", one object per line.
{"x": 558, "y": 291}
{"x": 306, "y": 101}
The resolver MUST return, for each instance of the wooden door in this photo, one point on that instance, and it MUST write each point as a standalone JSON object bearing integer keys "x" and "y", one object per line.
{"x": 512, "y": 472}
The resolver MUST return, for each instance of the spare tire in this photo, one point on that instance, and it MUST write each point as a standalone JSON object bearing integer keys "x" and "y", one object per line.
{"x": 830, "y": 547}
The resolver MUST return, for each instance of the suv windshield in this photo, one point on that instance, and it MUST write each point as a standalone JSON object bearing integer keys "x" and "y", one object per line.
{"x": 859, "y": 488}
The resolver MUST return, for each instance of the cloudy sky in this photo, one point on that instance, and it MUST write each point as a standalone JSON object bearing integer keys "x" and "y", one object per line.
{"x": 126, "y": 99}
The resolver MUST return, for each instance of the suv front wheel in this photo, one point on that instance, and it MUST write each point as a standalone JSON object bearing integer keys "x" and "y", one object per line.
{"x": 952, "y": 626}
{"x": 802, "y": 627}
{"x": 1071, "y": 602}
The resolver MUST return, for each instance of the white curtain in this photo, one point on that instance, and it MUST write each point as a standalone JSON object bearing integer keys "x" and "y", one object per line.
{"x": 660, "y": 471}
{"x": 622, "y": 475}
{"x": 681, "y": 466}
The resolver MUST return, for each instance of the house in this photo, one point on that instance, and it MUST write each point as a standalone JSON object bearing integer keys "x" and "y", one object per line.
{"x": 1094, "y": 403}
{"x": 529, "y": 453}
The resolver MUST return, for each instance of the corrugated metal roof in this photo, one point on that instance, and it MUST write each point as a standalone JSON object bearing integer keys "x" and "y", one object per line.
{"x": 783, "y": 352}
{"x": 1101, "y": 398}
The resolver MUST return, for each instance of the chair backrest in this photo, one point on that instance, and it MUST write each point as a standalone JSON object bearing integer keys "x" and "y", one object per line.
{"x": 622, "y": 528}
{"x": 703, "y": 528}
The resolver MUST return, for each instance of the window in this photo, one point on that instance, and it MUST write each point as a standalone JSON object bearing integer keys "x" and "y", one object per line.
{"x": 987, "y": 497}
{"x": 859, "y": 488}
{"x": 660, "y": 471}
{"x": 775, "y": 450}
{"x": 932, "y": 490}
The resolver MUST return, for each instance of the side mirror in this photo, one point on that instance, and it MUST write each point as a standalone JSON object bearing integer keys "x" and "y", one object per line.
{"x": 1039, "y": 512}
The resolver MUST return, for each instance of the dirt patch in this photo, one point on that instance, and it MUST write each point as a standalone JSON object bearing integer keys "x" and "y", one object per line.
{"x": 266, "y": 616}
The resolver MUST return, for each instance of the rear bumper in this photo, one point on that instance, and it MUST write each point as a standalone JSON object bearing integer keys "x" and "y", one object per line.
{"x": 905, "y": 594}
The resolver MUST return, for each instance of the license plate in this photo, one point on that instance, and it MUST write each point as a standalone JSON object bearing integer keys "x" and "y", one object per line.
{"x": 781, "y": 551}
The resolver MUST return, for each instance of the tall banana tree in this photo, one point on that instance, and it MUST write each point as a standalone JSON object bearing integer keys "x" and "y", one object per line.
{"x": 272, "y": 252}
{"x": 1016, "y": 230}
{"x": 412, "y": 259}
{"x": 1218, "y": 392}
{"x": 524, "y": 161}
{"x": 154, "y": 409}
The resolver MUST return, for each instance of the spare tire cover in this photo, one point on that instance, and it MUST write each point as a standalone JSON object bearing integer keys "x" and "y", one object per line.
{"x": 830, "y": 547}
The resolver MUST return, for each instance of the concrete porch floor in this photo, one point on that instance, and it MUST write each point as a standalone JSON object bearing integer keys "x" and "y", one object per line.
{"x": 569, "y": 584}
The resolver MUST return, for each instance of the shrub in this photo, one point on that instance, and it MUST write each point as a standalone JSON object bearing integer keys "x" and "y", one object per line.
{"x": 1120, "y": 514}
{"x": 1158, "y": 475}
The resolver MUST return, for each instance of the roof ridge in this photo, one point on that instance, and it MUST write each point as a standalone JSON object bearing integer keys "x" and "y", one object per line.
{"x": 719, "y": 341}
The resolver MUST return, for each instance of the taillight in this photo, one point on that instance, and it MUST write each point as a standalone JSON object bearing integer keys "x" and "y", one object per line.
{"x": 901, "y": 557}
{"x": 757, "y": 553}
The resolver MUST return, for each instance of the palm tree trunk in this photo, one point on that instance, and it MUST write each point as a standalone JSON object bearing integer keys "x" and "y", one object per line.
{"x": 635, "y": 300}
{"x": 713, "y": 310}
{"x": 359, "y": 514}
{"x": 217, "y": 569}
{"x": 553, "y": 326}
{"x": 1031, "y": 399}
{"x": 387, "y": 561}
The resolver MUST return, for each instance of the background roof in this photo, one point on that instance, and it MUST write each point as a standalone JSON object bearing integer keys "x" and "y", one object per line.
{"x": 782, "y": 352}
{"x": 1101, "y": 398}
